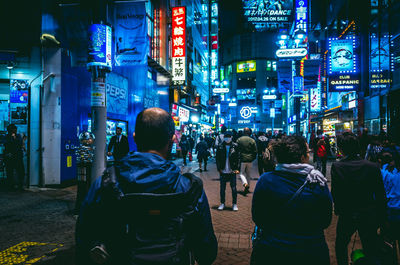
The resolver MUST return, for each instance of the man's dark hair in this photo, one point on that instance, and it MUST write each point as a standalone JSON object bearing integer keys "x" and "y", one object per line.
{"x": 11, "y": 127}
{"x": 290, "y": 149}
{"x": 348, "y": 143}
{"x": 223, "y": 129}
{"x": 118, "y": 128}
{"x": 319, "y": 132}
{"x": 154, "y": 129}
{"x": 247, "y": 131}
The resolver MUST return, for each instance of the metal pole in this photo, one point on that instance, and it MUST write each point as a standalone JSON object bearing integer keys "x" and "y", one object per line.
{"x": 99, "y": 121}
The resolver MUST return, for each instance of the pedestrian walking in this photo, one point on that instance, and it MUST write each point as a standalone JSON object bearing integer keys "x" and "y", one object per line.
{"x": 321, "y": 149}
{"x": 13, "y": 158}
{"x": 359, "y": 199}
{"x": 119, "y": 145}
{"x": 248, "y": 153}
{"x": 202, "y": 153}
{"x": 143, "y": 211}
{"x": 228, "y": 165}
{"x": 185, "y": 146}
{"x": 291, "y": 208}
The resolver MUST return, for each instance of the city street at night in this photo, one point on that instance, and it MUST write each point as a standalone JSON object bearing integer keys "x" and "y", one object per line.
{"x": 182, "y": 132}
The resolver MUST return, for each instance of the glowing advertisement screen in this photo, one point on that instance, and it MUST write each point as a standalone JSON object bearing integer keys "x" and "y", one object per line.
{"x": 248, "y": 66}
{"x": 99, "y": 45}
{"x": 246, "y": 94}
{"x": 380, "y": 55}
{"x": 270, "y": 14}
{"x": 342, "y": 56}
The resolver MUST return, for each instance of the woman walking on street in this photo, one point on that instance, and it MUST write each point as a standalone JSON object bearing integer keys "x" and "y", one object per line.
{"x": 291, "y": 208}
{"x": 185, "y": 146}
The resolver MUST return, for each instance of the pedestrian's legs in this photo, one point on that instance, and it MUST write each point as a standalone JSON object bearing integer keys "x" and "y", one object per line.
{"x": 184, "y": 154}
{"x": 205, "y": 164}
{"x": 248, "y": 172}
{"x": 222, "y": 178}
{"x": 10, "y": 174}
{"x": 233, "y": 187}
{"x": 260, "y": 165}
{"x": 242, "y": 174}
{"x": 344, "y": 230}
{"x": 319, "y": 163}
{"x": 323, "y": 164}
{"x": 200, "y": 162}
{"x": 20, "y": 173}
{"x": 367, "y": 228}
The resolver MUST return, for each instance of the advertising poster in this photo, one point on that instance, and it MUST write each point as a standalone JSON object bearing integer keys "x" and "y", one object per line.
{"x": 342, "y": 55}
{"x": 335, "y": 99}
{"x": 380, "y": 55}
{"x": 270, "y": 14}
{"x": 117, "y": 94}
{"x": 99, "y": 45}
{"x": 248, "y": 66}
{"x": 19, "y": 91}
{"x": 132, "y": 43}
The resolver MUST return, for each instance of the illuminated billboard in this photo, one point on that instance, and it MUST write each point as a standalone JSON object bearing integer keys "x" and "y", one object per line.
{"x": 380, "y": 54}
{"x": 99, "y": 53}
{"x": 178, "y": 45}
{"x": 246, "y": 94}
{"x": 343, "y": 57}
{"x": 270, "y": 14}
{"x": 247, "y": 66}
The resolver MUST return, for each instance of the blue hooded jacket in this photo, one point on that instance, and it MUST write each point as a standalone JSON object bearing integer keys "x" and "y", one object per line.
{"x": 146, "y": 173}
{"x": 391, "y": 181}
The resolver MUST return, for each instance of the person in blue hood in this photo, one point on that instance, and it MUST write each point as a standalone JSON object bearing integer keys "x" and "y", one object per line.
{"x": 291, "y": 208}
{"x": 144, "y": 172}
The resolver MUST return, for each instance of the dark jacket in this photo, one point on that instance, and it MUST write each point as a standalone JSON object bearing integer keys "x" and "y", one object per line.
{"x": 121, "y": 148}
{"x": 185, "y": 145}
{"x": 234, "y": 157}
{"x": 145, "y": 173}
{"x": 13, "y": 147}
{"x": 298, "y": 226}
{"x": 202, "y": 149}
{"x": 247, "y": 148}
{"x": 357, "y": 187}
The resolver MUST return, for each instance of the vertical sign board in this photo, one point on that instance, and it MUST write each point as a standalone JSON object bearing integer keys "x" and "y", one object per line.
{"x": 179, "y": 45}
{"x": 301, "y": 15}
{"x": 99, "y": 45}
{"x": 98, "y": 98}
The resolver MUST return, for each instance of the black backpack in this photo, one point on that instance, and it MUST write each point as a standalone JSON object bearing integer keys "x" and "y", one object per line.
{"x": 151, "y": 228}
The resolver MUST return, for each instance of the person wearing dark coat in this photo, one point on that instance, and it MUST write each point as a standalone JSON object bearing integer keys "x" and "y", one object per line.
{"x": 359, "y": 198}
{"x": 13, "y": 158}
{"x": 119, "y": 145}
{"x": 228, "y": 165}
{"x": 144, "y": 172}
{"x": 185, "y": 146}
{"x": 202, "y": 153}
{"x": 291, "y": 208}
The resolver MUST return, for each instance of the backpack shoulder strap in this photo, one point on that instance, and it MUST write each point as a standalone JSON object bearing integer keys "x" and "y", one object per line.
{"x": 196, "y": 187}
{"x": 109, "y": 183}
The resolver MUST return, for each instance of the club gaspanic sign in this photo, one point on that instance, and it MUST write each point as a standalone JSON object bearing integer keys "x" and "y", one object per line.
{"x": 344, "y": 83}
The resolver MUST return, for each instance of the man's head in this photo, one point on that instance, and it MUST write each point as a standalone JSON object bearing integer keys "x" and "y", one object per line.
{"x": 247, "y": 131}
{"x": 223, "y": 129}
{"x": 228, "y": 137}
{"x": 118, "y": 130}
{"x": 348, "y": 144}
{"x": 319, "y": 132}
{"x": 12, "y": 128}
{"x": 154, "y": 131}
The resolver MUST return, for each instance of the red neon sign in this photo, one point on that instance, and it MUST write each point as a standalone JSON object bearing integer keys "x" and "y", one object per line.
{"x": 179, "y": 31}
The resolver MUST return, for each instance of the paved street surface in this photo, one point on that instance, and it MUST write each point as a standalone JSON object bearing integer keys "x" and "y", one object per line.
{"x": 37, "y": 226}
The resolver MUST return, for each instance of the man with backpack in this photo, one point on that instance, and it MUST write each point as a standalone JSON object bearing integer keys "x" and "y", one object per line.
{"x": 143, "y": 211}
{"x": 321, "y": 148}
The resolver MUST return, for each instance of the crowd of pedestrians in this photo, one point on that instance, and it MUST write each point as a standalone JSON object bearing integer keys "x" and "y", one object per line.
{"x": 164, "y": 216}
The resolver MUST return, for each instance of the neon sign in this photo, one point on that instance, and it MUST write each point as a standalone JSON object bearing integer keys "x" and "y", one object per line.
{"x": 179, "y": 45}
{"x": 246, "y": 112}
